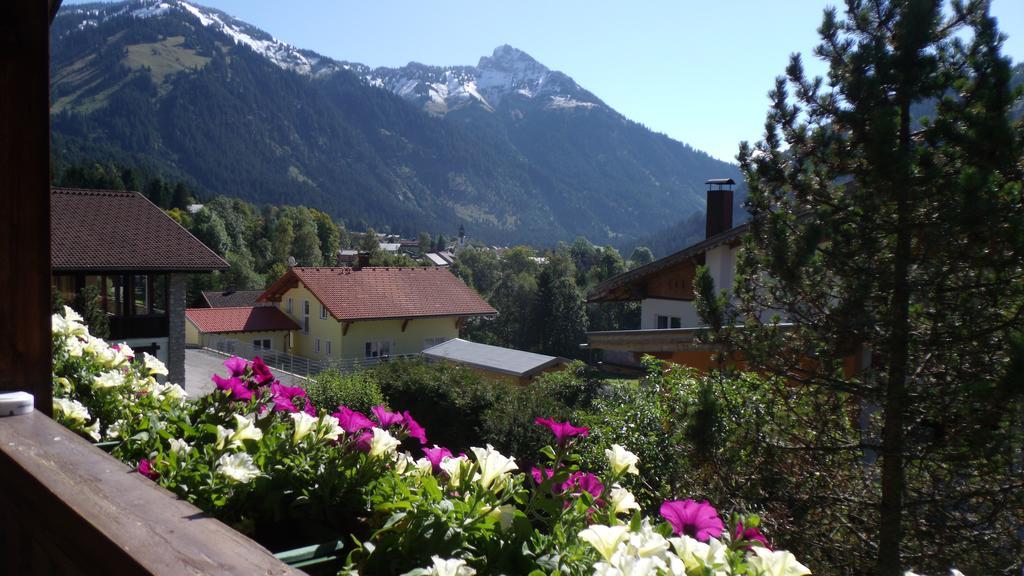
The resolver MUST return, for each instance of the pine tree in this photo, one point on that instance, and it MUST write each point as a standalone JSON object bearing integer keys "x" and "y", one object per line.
{"x": 898, "y": 242}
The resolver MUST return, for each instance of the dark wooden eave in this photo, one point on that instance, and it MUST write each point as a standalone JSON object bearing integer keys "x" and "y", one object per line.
{"x": 629, "y": 286}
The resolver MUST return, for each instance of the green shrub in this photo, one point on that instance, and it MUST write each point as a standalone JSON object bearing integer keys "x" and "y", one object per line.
{"x": 358, "y": 390}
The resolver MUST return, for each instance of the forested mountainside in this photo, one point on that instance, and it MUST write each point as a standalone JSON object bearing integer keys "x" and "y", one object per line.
{"x": 513, "y": 151}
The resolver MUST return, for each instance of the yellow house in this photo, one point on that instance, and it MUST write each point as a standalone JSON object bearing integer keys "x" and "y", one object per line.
{"x": 238, "y": 329}
{"x": 355, "y": 313}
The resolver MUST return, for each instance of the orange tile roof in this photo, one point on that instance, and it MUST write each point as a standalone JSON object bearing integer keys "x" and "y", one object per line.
{"x": 240, "y": 319}
{"x": 107, "y": 230}
{"x": 376, "y": 293}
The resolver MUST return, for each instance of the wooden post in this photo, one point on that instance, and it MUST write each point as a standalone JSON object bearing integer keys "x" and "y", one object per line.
{"x": 25, "y": 182}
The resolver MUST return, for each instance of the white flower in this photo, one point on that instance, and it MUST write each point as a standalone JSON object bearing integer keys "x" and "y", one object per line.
{"x": 153, "y": 364}
{"x": 303, "y": 425}
{"x": 604, "y": 539}
{"x": 423, "y": 467}
{"x": 71, "y": 315}
{"x": 621, "y": 500}
{"x": 504, "y": 515}
{"x": 114, "y": 430}
{"x": 97, "y": 347}
{"x": 93, "y": 430}
{"x": 403, "y": 462}
{"x": 179, "y": 446}
{"x": 454, "y": 467}
{"x": 75, "y": 347}
{"x": 245, "y": 429}
{"x": 329, "y": 428}
{"x": 174, "y": 392}
{"x": 237, "y": 467}
{"x": 776, "y": 563}
{"x": 72, "y": 410}
{"x": 383, "y": 443}
{"x": 444, "y": 567}
{"x": 621, "y": 460}
{"x": 109, "y": 379}
{"x": 699, "y": 555}
{"x": 223, "y": 434}
{"x": 493, "y": 465}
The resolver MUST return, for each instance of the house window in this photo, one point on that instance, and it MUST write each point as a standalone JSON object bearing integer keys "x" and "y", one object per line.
{"x": 328, "y": 347}
{"x": 665, "y": 322}
{"x": 289, "y": 308}
{"x": 380, "y": 349}
{"x": 305, "y": 317}
{"x": 430, "y": 342}
{"x": 261, "y": 344}
{"x": 317, "y": 346}
{"x": 323, "y": 312}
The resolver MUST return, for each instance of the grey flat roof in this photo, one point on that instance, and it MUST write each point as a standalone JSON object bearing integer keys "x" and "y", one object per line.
{"x": 493, "y": 358}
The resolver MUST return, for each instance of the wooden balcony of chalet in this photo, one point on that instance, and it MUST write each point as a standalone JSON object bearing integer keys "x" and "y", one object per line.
{"x": 66, "y": 507}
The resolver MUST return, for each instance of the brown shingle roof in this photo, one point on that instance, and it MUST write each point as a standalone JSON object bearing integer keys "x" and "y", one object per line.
{"x": 228, "y": 299}
{"x": 373, "y": 293}
{"x": 107, "y": 230}
{"x": 240, "y": 319}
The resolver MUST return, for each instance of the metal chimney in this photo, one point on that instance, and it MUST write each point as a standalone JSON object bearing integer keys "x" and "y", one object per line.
{"x": 719, "y": 206}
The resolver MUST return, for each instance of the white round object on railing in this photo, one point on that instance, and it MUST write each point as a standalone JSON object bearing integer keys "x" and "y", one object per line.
{"x": 15, "y": 403}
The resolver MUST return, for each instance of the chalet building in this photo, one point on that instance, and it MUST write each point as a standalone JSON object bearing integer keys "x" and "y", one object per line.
{"x": 137, "y": 257}
{"x": 239, "y": 329}
{"x": 665, "y": 289}
{"x": 374, "y": 312}
{"x": 494, "y": 362}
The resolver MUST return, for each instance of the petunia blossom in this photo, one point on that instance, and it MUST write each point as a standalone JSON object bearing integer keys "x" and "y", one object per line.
{"x": 563, "y": 431}
{"x": 260, "y": 371}
{"x": 695, "y": 519}
{"x": 352, "y": 421}
{"x": 435, "y": 455}
{"x": 147, "y": 470}
{"x": 233, "y": 386}
{"x": 236, "y": 366}
{"x": 776, "y": 563}
{"x": 580, "y": 482}
{"x": 604, "y": 539}
{"x": 493, "y": 465}
{"x": 386, "y": 419}
{"x": 750, "y": 534}
{"x": 415, "y": 430}
{"x": 541, "y": 474}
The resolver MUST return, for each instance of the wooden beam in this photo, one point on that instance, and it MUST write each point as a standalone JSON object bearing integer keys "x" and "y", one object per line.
{"x": 344, "y": 328}
{"x": 70, "y": 508}
{"x": 25, "y": 181}
{"x": 405, "y": 324}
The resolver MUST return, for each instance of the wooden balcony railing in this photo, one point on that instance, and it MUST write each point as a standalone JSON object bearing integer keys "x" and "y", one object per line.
{"x": 66, "y": 507}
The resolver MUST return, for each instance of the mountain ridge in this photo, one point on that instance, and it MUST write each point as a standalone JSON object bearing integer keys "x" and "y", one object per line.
{"x": 509, "y": 148}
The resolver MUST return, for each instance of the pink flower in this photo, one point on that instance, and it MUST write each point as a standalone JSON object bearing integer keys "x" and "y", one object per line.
{"x": 260, "y": 371}
{"x": 284, "y": 398}
{"x": 352, "y": 421}
{"x": 235, "y": 365}
{"x": 435, "y": 455}
{"x": 540, "y": 475}
{"x": 750, "y": 535}
{"x": 147, "y": 470}
{"x": 384, "y": 418}
{"x": 415, "y": 430}
{"x": 580, "y": 482}
{"x": 234, "y": 386}
{"x": 695, "y": 519}
{"x": 363, "y": 441}
{"x": 309, "y": 408}
{"x": 562, "y": 430}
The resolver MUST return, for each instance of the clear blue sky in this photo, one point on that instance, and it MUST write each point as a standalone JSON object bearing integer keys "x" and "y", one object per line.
{"x": 697, "y": 70}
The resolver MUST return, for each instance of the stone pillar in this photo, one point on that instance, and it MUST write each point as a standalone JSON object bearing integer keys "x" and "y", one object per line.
{"x": 176, "y": 329}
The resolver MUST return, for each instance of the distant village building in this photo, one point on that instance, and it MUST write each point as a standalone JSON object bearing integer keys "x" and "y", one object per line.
{"x": 232, "y": 298}
{"x": 239, "y": 329}
{"x": 495, "y": 362}
{"x": 136, "y": 257}
{"x": 665, "y": 289}
{"x": 440, "y": 258}
{"x": 373, "y": 312}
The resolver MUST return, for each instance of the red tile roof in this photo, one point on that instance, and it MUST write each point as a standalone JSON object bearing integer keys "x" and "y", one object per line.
{"x": 374, "y": 293}
{"x": 110, "y": 230}
{"x": 240, "y": 319}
